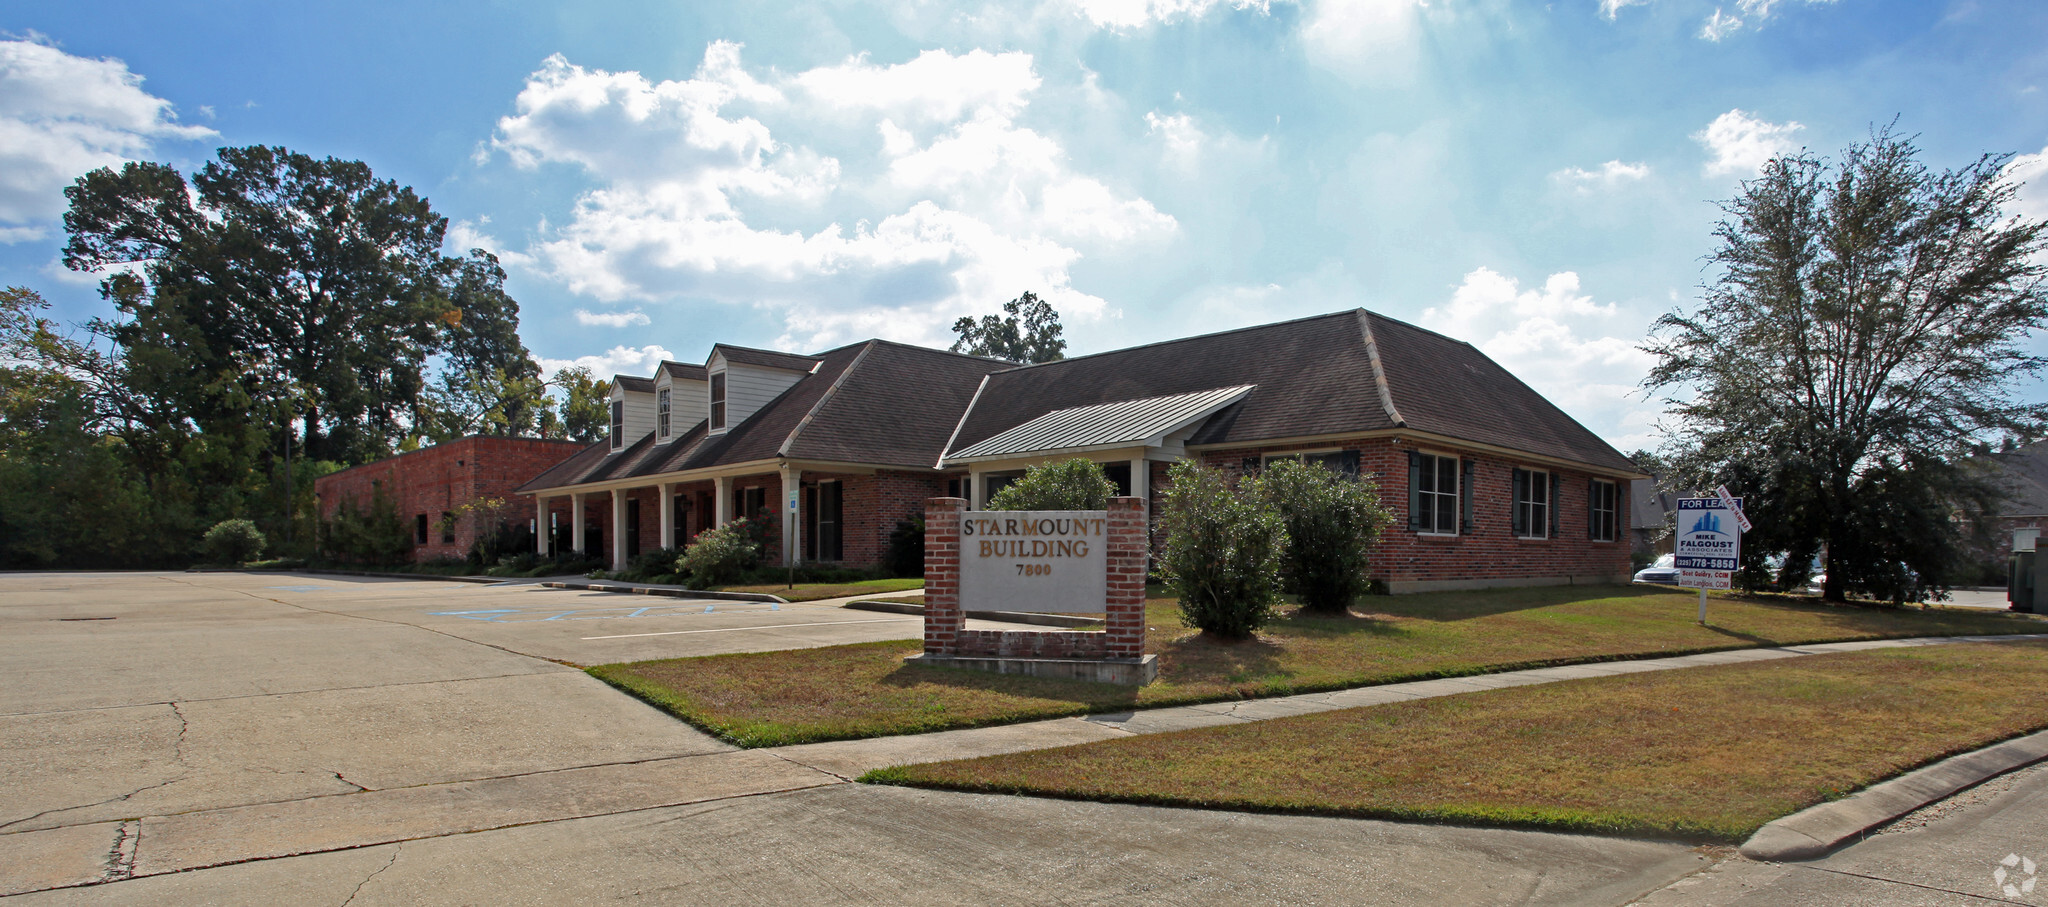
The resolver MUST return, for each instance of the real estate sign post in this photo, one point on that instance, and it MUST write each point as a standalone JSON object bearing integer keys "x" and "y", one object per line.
{"x": 1709, "y": 542}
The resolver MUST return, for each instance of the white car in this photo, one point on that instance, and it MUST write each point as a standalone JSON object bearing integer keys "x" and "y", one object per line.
{"x": 1664, "y": 571}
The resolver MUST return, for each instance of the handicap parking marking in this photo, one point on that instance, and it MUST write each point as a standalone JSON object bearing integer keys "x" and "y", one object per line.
{"x": 522, "y": 616}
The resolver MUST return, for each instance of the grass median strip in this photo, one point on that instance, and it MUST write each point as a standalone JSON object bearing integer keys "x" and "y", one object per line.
{"x": 840, "y": 692}
{"x": 1706, "y": 753}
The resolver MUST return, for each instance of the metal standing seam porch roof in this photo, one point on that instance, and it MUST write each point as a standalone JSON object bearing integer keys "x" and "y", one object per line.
{"x": 1120, "y": 423}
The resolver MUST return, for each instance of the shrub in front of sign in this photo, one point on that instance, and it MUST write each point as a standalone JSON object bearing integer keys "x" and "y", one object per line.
{"x": 1332, "y": 520}
{"x": 1223, "y": 549}
{"x": 1066, "y": 485}
{"x": 233, "y": 542}
{"x": 719, "y": 557}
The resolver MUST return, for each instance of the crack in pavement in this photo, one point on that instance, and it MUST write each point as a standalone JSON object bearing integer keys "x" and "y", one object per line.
{"x": 395, "y": 848}
{"x": 827, "y": 772}
{"x": 1858, "y": 875}
{"x": 121, "y": 856}
{"x": 66, "y": 809}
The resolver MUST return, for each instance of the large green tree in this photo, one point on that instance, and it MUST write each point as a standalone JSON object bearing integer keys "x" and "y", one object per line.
{"x": 285, "y": 289}
{"x": 1028, "y": 333}
{"x": 1863, "y": 334}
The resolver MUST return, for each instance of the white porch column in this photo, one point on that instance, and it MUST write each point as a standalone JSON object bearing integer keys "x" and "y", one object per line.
{"x": 668, "y": 515}
{"x": 792, "y": 531}
{"x": 618, "y": 529}
{"x": 540, "y": 525}
{"x": 721, "y": 501}
{"x": 1141, "y": 478}
{"x": 974, "y": 488}
{"x": 576, "y": 523}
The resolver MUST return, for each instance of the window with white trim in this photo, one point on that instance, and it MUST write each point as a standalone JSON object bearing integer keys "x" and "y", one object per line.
{"x": 1433, "y": 494}
{"x": 661, "y": 412}
{"x": 717, "y": 401}
{"x": 1534, "y": 516}
{"x": 1603, "y": 517}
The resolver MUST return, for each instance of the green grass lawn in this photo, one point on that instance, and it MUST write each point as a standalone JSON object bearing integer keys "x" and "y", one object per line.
{"x": 1706, "y": 753}
{"x": 810, "y": 592}
{"x": 774, "y": 698}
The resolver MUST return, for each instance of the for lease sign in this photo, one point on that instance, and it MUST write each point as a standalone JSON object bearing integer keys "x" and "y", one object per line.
{"x": 1709, "y": 533}
{"x": 1034, "y": 560}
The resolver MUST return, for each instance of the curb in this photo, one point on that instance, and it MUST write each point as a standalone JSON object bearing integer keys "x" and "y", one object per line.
{"x": 673, "y": 593}
{"x": 370, "y": 573}
{"x": 1008, "y": 617}
{"x": 1813, "y": 833}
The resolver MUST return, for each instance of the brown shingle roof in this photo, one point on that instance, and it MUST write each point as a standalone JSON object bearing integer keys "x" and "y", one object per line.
{"x": 895, "y": 409}
{"x": 682, "y": 371}
{"x": 768, "y": 358}
{"x": 1313, "y": 376}
{"x": 635, "y": 383}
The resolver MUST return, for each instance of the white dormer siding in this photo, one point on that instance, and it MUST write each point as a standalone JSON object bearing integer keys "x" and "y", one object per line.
{"x": 747, "y": 388}
{"x": 688, "y": 399}
{"x": 638, "y": 413}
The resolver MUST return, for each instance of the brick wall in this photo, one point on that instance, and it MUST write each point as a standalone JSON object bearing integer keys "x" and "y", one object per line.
{"x": 1489, "y": 554}
{"x": 439, "y": 479}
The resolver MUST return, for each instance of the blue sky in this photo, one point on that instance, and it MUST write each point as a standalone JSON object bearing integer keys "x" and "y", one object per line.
{"x": 1538, "y": 179}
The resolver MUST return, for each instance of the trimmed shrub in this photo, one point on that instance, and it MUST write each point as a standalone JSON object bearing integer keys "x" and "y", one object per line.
{"x": 233, "y": 542}
{"x": 1066, "y": 485}
{"x": 376, "y": 536}
{"x": 657, "y": 566}
{"x": 1223, "y": 552}
{"x": 1332, "y": 520}
{"x": 719, "y": 557}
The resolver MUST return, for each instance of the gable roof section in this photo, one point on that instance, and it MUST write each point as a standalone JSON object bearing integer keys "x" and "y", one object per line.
{"x": 1346, "y": 372}
{"x": 682, "y": 371}
{"x": 1311, "y": 377}
{"x": 635, "y": 384}
{"x": 1119, "y": 424}
{"x": 744, "y": 355}
{"x": 896, "y": 407}
{"x": 878, "y": 403}
{"x": 1448, "y": 387}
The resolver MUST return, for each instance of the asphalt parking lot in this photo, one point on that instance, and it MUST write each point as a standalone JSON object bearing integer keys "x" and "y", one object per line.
{"x": 262, "y": 739}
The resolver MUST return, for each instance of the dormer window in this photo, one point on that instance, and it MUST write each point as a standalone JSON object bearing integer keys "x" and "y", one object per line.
{"x": 618, "y": 424}
{"x": 718, "y": 401}
{"x": 661, "y": 412}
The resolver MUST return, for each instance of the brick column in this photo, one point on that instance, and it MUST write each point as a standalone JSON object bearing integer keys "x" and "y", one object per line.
{"x": 1125, "y": 606}
{"x": 943, "y": 619}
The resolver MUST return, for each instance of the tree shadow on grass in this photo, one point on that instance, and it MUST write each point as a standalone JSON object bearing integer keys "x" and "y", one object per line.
{"x": 1202, "y": 659}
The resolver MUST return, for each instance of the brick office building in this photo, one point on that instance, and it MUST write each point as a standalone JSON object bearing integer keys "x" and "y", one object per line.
{"x": 426, "y": 485}
{"x": 1492, "y": 483}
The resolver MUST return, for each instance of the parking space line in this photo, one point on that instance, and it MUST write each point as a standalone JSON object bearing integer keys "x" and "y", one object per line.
{"x": 822, "y": 623}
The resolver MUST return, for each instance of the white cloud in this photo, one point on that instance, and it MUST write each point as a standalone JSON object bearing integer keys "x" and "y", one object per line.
{"x": 1562, "y": 343}
{"x": 1364, "y": 39}
{"x": 1722, "y": 24}
{"x": 2031, "y": 202}
{"x": 1608, "y": 176}
{"x": 612, "y": 319}
{"x": 619, "y": 360}
{"x": 1182, "y": 137}
{"x": 959, "y": 209}
{"x": 1741, "y": 144}
{"x": 61, "y": 116}
{"x": 1126, "y": 14}
{"x": 1612, "y": 8}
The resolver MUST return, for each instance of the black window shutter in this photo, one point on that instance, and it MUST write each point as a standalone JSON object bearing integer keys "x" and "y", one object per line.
{"x": 1414, "y": 491}
{"x": 1556, "y": 485}
{"x": 1465, "y": 495}
{"x": 1518, "y": 485}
